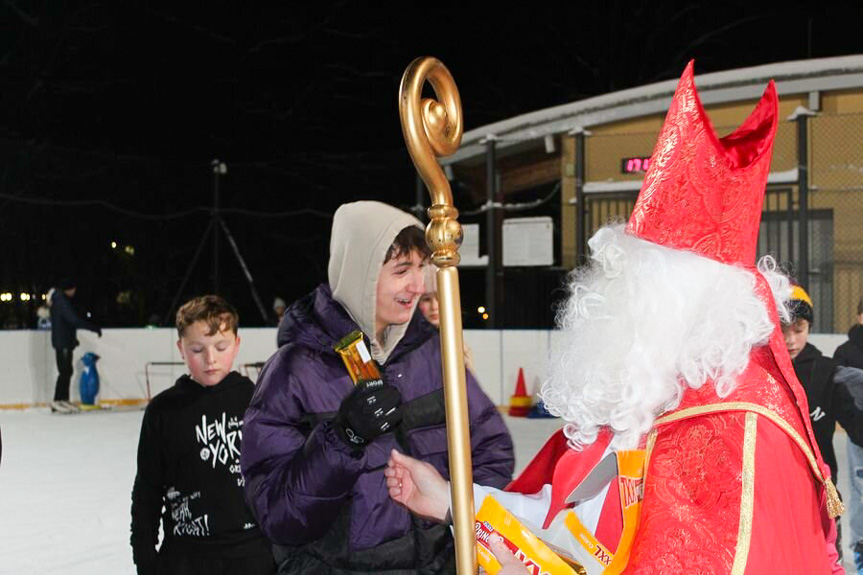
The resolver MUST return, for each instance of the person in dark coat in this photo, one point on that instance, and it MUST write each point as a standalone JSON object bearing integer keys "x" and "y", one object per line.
{"x": 64, "y": 324}
{"x": 830, "y": 401}
{"x": 317, "y": 491}
{"x": 850, "y": 355}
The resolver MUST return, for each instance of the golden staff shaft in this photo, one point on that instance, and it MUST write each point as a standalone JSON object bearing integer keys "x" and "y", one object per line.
{"x": 431, "y": 129}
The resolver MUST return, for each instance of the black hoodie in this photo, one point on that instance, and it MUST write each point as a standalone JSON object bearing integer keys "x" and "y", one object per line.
{"x": 189, "y": 462}
{"x": 829, "y": 402}
{"x": 850, "y": 353}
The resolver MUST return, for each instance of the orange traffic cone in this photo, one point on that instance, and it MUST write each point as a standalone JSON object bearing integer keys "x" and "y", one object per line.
{"x": 520, "y": 402}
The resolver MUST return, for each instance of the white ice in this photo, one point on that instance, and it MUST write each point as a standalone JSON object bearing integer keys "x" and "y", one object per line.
{"x": 66, "y": 481}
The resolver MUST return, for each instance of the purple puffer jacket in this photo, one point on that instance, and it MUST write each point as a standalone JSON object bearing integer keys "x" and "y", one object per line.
{"x": 328, "y": 507}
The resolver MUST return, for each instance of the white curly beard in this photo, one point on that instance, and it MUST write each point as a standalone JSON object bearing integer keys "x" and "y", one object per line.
{"x": 644, "y": 322}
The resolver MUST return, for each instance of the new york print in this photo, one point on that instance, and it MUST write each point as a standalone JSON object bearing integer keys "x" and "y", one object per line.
{"x": 221, "y": 439}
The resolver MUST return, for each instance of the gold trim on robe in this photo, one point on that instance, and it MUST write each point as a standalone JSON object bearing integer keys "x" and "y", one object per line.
{"x": 747, "y": 498}
{"x": 832, "y": 498}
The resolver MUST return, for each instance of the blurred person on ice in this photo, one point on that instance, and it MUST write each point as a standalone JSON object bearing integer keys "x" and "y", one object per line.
{"x": 850, "y": 355}
{"x": 65, "y": 322}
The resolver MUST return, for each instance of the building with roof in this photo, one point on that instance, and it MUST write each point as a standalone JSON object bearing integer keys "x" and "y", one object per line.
{"x": 587, "y": 159}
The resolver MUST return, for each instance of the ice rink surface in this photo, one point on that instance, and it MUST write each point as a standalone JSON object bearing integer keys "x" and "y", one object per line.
{"x": 66, "y": 482}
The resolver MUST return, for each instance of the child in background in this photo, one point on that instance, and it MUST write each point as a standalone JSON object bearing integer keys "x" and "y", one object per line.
{"x": 189, "y": 459}
{"x": 830, "y": 401}
{"x": 850, "y": 355}
{"x": 428, "y": 305}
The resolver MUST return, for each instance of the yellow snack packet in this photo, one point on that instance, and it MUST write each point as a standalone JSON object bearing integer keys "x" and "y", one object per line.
{"x": 355, "y": 354}
{"x": 536, "y": 556}
{"x": 567, "y": 539}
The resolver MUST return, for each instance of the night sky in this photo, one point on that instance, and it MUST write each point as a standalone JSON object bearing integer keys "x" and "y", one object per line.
{"x": 110, "y": 114}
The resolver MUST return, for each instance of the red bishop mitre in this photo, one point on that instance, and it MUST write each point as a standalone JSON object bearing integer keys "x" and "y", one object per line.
{"x": 703, "y": 193}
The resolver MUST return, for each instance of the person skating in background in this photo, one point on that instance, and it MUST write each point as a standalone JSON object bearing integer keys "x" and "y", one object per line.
{"x": 430, "y": 309}
{"x": 830, "y": 401}
{"x": 65, "y": 322}
{"x": 850, "y": 354}
{"x": 313, "y": 450}
{"x": 188, "y": 459}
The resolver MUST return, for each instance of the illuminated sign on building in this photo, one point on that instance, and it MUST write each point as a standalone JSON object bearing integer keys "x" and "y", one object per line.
{"x": 634, "y": 165}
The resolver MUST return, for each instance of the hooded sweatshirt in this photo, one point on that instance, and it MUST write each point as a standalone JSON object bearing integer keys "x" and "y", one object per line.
{"x": 188, "y": 474}
{"x": 830, "y": 402}
{"x": 362, "y": 234}
{"x": 850, "y": 353}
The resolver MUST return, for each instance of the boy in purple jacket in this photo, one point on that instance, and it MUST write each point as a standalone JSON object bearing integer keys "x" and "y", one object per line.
{"x": 314, "y": 454}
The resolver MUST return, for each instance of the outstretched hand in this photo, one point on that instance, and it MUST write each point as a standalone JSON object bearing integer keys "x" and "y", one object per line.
{"x": 417, "y": 485}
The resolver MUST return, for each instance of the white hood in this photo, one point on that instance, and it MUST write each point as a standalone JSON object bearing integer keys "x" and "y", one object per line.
{"x": 362, "y": 234}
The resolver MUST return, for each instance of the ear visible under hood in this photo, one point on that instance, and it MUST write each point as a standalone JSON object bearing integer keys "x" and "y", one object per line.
{"x": 362, "y": 234}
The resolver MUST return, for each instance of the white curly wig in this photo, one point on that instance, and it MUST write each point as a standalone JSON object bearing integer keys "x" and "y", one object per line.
{"x": 642, "y": 323}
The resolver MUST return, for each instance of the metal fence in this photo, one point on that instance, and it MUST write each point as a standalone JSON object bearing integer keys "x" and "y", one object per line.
{"x": 836, "y": 142}
{"x": 832, "y": 219}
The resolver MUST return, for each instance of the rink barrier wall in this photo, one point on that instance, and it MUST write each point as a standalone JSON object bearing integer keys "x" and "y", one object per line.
{"x": 29, "y": 366}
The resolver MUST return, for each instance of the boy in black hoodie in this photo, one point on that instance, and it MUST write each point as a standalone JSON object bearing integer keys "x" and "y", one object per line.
{"x": 829, "y": 400}
{"x": 189, "y": 459}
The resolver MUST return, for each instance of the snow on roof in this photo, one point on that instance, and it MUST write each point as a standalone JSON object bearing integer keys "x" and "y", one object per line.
{"x": 802, "y": 76}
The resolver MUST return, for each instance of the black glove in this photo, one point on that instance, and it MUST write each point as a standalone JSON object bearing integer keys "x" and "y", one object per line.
{"x": 371, "y": 410}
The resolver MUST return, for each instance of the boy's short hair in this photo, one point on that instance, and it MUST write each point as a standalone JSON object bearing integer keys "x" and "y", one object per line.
{"x": 210, "y": 309}
{"x": 860, "y": 307}
{"x": 409, "y": 239}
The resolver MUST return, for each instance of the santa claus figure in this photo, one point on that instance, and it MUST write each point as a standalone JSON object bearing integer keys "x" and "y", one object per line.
{"x": 672, "y": 344}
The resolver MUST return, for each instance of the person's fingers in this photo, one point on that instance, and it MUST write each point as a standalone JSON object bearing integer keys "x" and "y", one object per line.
{"x": 400, "y": 459}
{"x": 405, "y": 461}
{"x": 407, "y": 466}
{"x": 502, "y": 552}
{"x": 396, "y": 472}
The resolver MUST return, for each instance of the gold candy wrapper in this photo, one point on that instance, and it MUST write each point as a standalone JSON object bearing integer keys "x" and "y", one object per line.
{"x": 354, "y": 352}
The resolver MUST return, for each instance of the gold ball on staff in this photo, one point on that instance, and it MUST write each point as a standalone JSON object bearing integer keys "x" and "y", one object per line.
{"x": 444, "y": 235}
